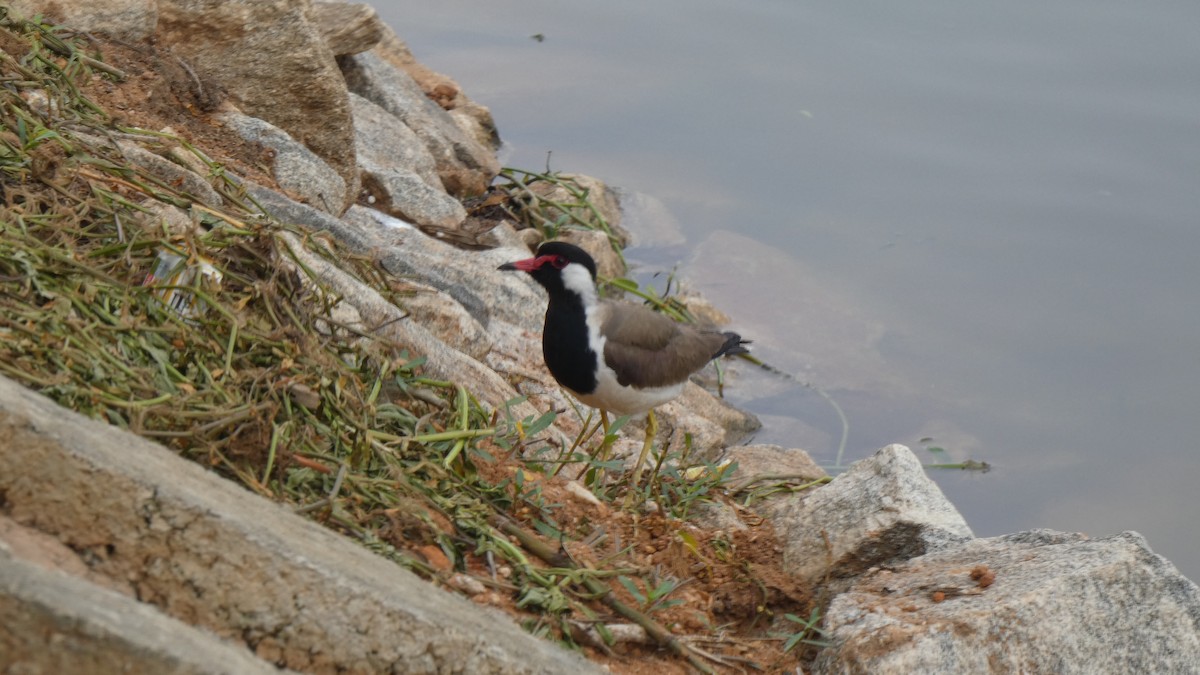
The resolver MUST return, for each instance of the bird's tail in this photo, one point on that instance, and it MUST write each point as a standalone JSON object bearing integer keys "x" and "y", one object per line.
{"x": 732, "y": 345}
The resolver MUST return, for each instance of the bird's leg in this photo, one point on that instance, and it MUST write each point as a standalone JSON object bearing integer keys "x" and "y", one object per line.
{"x": 651, "y": 432}
{"x": 600, "y": 453}
{"x": 605, "y": 443}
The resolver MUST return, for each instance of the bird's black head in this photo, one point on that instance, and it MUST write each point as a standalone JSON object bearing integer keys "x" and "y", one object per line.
{"x": 552, "y": 258}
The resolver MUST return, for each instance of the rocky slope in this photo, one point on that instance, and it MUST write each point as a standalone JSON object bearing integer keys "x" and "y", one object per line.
{"x": 317, "y": 115}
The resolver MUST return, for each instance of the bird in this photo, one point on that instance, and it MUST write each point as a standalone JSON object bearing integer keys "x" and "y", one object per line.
{"x": 618, "y": 357}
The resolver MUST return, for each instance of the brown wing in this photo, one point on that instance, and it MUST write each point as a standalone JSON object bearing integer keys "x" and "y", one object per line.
{"x": 646, "y": 349}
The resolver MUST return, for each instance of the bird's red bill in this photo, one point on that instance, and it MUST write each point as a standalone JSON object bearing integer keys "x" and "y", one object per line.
{"x": 533, "y": 264}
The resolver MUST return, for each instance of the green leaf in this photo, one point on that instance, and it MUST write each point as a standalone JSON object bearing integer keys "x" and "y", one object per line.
{"x": 624, "y": 284}
{"x": 605, "y": 633}
{"x": 632, "y": 588}
{"x": 540, "y": 424}
{"x": 547, "y": 530}
{"x": 617, "y": 424}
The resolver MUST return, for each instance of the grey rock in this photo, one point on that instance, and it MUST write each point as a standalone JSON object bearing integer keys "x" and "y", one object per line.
{"x": 597, "y": 244}
{"x": 718, "y": 516}
{"x": 200, "y": 548}
{"x": 56, "y": 623}
{"x": 465, "y": 166}
{"x": 470, "y": 277}
{"x": 405, "y": 195}
{"x": 765, "y": 459}
{"x": 131, "y": 20}
{"x": 169, "y": 172}
{"x": 503, "y": 235}
{"x": 160, "y": 215}
{"x": 398, "y": 172}
{"x": 883, "y": 511}
{"x": 705, "y": 420}
{"x": 474, "y": 119}
{"x": 444, "y": 317}
{"x": 182, "y": 179}
{"x": 348, "y": 27}
{"x": 297, "y": 170}
{"x": 275, "y": 65}
{"x": 530, "y": 238}
{"x": 383, "y": 142}
{"x": 1033, "y": 602}
{"x": 603, "y": 198}
{"x": 378, "y": 316}
{"x": 476, "y": 122}
{"x": 290, "y": 211}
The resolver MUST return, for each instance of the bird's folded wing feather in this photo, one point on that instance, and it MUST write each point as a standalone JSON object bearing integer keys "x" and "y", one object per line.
{"x": 646, "y": 349}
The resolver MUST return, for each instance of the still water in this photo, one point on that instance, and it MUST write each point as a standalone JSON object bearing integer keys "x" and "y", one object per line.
{"x": 972, "y": 222}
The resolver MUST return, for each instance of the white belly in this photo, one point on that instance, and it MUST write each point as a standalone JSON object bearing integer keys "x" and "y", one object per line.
{"x": 611, "y": 396}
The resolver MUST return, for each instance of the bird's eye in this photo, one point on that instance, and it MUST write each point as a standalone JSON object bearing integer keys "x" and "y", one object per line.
{"x": 559, "y": 262}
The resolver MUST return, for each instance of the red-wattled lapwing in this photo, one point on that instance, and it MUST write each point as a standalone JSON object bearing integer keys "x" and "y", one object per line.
{"x": 617, "y": 357}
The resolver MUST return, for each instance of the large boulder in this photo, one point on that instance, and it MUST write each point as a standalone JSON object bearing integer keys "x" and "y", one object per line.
{"x": 200, "y": 549}
{"x": 1033, "y": 602}
{"x": 275, "y": 65}
{"x": 348, "y": 27}
{"x": 57, "y": 623}
{"x": 883, "y": 511}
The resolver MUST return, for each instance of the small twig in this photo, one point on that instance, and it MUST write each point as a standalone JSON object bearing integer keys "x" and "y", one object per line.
{"x": 727, "y": 661}
{"x": 195, "y": 78}
{"x": 459, "y": 434}
{"x": 102, "y": 66}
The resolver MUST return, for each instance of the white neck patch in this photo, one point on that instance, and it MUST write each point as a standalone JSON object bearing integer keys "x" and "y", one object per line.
{"x": 577, "y": 278}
